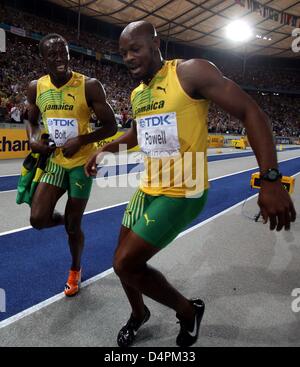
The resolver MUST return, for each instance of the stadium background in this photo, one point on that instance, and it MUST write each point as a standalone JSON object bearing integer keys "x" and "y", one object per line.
{"x": 273, "y": 81}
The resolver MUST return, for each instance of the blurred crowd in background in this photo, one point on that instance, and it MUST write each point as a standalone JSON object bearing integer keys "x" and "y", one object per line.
{"x": 22, "y": 63}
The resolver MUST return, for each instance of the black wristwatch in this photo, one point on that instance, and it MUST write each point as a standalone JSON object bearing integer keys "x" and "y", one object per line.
{"x": 271, "y": 175}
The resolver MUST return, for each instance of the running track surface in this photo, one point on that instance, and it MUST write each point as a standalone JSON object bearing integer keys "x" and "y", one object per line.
{"x": 33, "y": 264}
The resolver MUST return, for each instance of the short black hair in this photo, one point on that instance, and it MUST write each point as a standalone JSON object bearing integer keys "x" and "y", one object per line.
{"x": 47, "y": 38}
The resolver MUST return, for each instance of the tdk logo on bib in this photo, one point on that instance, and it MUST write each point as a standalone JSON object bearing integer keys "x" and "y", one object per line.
{"x": 156, "y": 120}
{"x": 61, "y": 122}
{"x": 62, "y": 130}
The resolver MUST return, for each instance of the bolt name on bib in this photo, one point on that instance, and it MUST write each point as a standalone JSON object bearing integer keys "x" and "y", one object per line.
{"x": 62, "y": 129}
{"x": 158, "y": 135}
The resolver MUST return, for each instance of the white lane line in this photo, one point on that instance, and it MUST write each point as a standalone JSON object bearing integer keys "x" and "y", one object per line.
{"x": 60, "y": 296}
{"x": 15, "y": 230}
{"x": 220, "y": 214}
{"x": 107, "y": 207}
{"x": 211, "y": 179}
{"x": 139, "y": 172}
{"x": 92, "y": 280}
{"x": 126, "y": 202}
{"x": 208, "y": 155}
{"x": 49, "y": 301}
{"x": 248, "y": 169}
{"x": 214, "y": 217}
{"x": 88, "y": 212}
{"x": 12, "y": 175}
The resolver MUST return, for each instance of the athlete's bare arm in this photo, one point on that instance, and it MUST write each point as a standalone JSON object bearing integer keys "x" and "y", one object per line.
{"x": 96, "y": 98}
{"x": 200, "y": 77}
{"x": 129, "y": 139}
{"x": 33, "y": 127}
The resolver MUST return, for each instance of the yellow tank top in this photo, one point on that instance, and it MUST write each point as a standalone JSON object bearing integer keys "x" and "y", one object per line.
{"x": 65, "y": 115}
{"x": 172, "y": 133}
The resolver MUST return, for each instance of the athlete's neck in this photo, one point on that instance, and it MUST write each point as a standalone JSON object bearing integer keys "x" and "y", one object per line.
{"x": 157, "y": 65}
{"x": 59, "y": 81}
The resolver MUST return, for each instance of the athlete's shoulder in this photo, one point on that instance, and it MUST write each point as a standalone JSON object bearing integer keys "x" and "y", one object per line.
{"x": 199, "y": 64}
{"x": 94, "y": 90}
{"x": 195, "y": 62}
{"x": 137, "y": 89}
{"x": 92, "y": 82}
{"x": 77, "y": 79}
{"x": 43, "y": 78}
{"x": 76, "y": 74}
{"x": 33, "y": 84}
{"x": 31, "y": 91}
{"x": 198, "y": 72}
{"x": 42, "y": 82}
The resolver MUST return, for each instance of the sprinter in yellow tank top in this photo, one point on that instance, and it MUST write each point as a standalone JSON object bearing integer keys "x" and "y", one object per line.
{"x": 64, "y": 99}
{"x": 170, "y": 107}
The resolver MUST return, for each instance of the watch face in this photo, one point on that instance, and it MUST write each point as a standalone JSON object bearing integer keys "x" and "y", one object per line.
{"x": 273, "y": 175}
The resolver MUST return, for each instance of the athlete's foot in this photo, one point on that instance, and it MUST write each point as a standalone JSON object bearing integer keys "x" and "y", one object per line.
{"x": 72, "y": 286}
{"x": 128, "y": 332}
{"x": 189, "y": 330}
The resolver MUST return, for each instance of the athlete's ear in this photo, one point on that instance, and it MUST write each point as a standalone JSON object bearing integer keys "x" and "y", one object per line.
{"x": 156, "y": 42}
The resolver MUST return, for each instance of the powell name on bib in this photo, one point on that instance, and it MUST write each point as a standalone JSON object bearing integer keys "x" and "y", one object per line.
{"x": 158, "y": 135}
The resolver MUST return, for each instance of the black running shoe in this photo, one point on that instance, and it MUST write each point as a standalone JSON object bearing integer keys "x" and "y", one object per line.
{"x": 128, "y": 332}
{"x": 188, "y": 337}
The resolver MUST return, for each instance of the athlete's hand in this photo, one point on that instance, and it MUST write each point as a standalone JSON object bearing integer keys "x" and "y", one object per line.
{"x": 276, "y": 205}
{"x": 42, "y": 147}
{"x": 90, "y": 167}
{"x": 71, "y": 147}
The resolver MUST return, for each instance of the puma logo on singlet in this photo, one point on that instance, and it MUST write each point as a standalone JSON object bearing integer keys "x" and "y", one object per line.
{"x": 79, "y": 185}
{"x": 161, "y": 88}
{"x": 148, "y": 220}
{"x": 70, "y": 95}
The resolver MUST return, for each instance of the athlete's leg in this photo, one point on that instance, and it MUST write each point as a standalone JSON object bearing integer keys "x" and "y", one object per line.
{"x": 42, "y": 209}
{"x": 73, "y": 216}
{"x": 158, "y": 221}
{"x": 154, "y": 222}
{"x": 130, "y": 264}
{"x": 134, "y": 296}
{"x": 79, "y": 191}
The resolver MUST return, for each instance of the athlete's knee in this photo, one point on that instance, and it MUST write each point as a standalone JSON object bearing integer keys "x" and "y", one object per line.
{"x": 38, "y": 222}
{"x": 120, "y": 264}
{"x": 124, "y": 266}
{"x": 72, "y": 226}
{"x": 120, "y": 267}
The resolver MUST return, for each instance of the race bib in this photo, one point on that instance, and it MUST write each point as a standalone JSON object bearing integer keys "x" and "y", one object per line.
{"x": 61, "y": 130}
{"x": 158, "y": 135}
